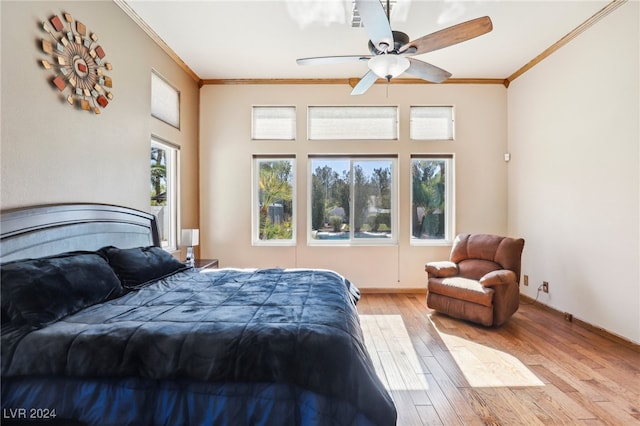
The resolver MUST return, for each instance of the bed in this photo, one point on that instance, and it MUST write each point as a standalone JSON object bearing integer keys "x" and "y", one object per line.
{"x": 100, "y": 326}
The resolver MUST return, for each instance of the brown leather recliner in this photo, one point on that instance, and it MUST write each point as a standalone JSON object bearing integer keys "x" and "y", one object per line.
{"x": 480, "y": 281}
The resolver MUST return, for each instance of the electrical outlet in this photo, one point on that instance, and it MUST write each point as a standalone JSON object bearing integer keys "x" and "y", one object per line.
{"x": 526, "y": 280}
{"x": 545, "y": 286}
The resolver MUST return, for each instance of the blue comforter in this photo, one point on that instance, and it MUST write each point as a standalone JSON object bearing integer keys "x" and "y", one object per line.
{"x": 294, "y": 327}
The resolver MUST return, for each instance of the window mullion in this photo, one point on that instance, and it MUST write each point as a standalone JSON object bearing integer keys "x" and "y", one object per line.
{"x": 352, "y": 216}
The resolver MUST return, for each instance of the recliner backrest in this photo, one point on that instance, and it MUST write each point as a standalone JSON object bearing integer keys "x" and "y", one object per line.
{"x": 478, "y": 254}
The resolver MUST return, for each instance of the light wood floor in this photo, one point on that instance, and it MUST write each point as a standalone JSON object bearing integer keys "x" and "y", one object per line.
{"x": 536, "y": 369}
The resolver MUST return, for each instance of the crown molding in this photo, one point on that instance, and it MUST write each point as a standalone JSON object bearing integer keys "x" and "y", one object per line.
{"x": 156, "y": 38}
{"x": 566, "y": 39}
{"x": 352, "y": 81}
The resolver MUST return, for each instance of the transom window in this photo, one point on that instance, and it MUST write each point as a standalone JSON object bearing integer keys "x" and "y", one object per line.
{"x": 353, "y": 122}
{"x": 431, "y": 199}
{"x": 273, "y": 122}
{"x": 431, "y": 123}
{"x": 353, "y": 200}
{"x": 165, "y": 101}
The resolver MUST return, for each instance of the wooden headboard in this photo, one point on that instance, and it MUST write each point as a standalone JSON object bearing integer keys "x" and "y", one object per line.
{"x": 51, "y": 229}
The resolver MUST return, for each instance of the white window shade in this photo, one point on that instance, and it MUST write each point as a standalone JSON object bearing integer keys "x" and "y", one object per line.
{"x": 165, "y": 101}
{"x": 273, "y": 122}
{"x": 353, "y": 123}
{"x": 431, "y": 123}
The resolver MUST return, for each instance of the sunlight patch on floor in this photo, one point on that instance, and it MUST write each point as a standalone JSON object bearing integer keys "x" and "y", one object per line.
{"x": 484, "y": 366}
{"x": 399, "y": 366}
{"x": 393, "y": 355}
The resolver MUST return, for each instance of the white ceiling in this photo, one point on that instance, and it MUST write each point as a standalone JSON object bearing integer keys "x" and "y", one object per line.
{"x": 225, "y": 39}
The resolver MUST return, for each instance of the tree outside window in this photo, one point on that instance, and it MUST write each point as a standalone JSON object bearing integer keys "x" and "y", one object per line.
{"x": 158, "y": 177}
{"x": 351, "y": 199}
{"x": 430, "y": 209}
{"x": 275, "y": 200}
{"x": 163, "y": 198}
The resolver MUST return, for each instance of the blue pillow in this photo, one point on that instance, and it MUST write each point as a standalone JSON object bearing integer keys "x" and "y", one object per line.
{"x": 42, "y": 291}
{"x": 137, "y": 267}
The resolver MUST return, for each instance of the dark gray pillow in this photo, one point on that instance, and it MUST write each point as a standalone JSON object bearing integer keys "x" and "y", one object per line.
{"x": 42, "y": 291}
{"x": 139, "y": 266}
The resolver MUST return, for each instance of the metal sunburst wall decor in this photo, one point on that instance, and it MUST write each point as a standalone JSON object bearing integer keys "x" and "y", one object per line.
{"x": 78, "y": 63}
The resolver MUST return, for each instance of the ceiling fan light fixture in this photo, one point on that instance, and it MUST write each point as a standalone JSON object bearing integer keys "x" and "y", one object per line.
{"x": 388, "y": 66}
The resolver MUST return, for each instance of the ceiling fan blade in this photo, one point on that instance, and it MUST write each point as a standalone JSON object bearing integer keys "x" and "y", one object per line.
{"x": 320, "y": 60}
{"x": 449, "y": 36}
{"x": 375, "y": 21}
{"x": 365, "y": 82}
{"x": 427, "y": 71}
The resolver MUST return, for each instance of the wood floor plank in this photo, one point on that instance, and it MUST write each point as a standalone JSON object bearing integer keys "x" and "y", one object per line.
{"x": 461, "y": 406}
{"x": 404, "y": 358}
{"x": 401, "y": 344}
{"x": 484, "y": 409}
{"x": 368, "y": 330}
{"x": 428, "y": 415}
{"x": 543, "y": 404}
{"x": 536, "y": 369}
{"x": 407, "y": 411}
{"x": 506, "y": 407}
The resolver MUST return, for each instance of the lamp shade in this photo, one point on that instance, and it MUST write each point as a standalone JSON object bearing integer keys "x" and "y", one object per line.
{"x": 190, "y": 237}
{"x": 389, "y": 65}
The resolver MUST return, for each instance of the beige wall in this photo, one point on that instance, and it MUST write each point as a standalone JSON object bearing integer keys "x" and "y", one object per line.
{"x": 573, "y": 183}
{"x": 574, "y": 189}
{"x": 52, "y": 153}
{"x": 226, "y": 151}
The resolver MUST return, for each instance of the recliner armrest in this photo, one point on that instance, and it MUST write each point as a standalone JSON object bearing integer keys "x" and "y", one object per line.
{"x": 498, "y": 277}
{"x": 442, "y": 269}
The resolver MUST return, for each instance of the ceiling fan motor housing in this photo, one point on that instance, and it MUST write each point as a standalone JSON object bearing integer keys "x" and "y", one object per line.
{"x": 390, "y": 50}
{"x": 399, "y": 40}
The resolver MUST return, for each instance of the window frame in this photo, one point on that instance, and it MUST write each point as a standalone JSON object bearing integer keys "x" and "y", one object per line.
{"x": 173, "y": 196}
{"x": 449, "y": 201}
{"x": 255, "y": 200}
{"x": 351, "y": 241}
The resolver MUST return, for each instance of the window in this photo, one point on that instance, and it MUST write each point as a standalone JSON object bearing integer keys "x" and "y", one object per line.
{"x": 165, "y": 101}
{"x": 431, "y": 123}
{"x": 431, "y": 199}
{"x": 353, "y": 122}
{"x": 274, "y": 197}
{"x": 164, "y": 188}
{"x": 353, "y": 200}
{"x": 273, "y": 122}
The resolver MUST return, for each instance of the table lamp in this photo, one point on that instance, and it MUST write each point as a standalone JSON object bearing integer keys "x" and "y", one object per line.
{"x": 190, "y": 238}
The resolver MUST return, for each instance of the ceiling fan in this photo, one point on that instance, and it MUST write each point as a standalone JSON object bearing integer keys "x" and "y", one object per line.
{"x": 391, "y": 50}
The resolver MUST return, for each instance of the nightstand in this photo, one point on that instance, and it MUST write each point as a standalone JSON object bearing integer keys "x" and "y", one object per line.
{"x": 206, "y": 263}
